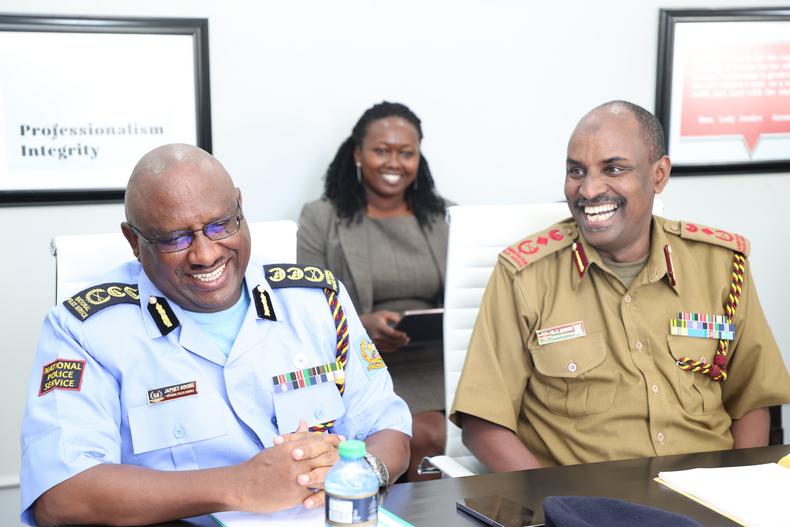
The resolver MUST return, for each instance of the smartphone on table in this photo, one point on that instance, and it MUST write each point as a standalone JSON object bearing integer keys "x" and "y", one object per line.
{"x": 499, "y": 511}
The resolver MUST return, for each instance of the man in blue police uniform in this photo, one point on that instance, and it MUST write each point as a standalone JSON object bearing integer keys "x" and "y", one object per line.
{"x": 184, "y": 383}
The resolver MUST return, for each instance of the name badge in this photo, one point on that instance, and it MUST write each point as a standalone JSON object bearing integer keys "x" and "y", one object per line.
{"x": 176, "y": 391}
{"x": 560, "y": 333}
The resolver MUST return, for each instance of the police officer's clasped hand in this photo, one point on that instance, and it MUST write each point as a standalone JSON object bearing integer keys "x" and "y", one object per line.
{"x": 380, "y": 327}
{"x": 313, "y": 480}
{"x": 289, "y": 473}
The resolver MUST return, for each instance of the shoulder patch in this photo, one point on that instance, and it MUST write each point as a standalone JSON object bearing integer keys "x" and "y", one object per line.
{"x": 90, "y": 301}
{"x": 372, "y": 362}
{"x": 538, "y": 245}
{"x": 61, "y": 374}
{"x": 293, "y": 275}
{"x": 702, "y": 233}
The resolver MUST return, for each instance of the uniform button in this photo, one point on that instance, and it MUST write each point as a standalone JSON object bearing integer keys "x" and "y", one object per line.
{"x": 627, "y": 299}
{"x": 178, "y": 432}
{"x": 360, "y": 436}
{"x": 638, "y": 345}
{"x": 300, "y": 361}
{"x": 654, "y": 388}
{"x": 318, "y": 413}
{"x": 572, "y": 367}
{"x": 673, "y": 228}
{"x": 660, "y": 437}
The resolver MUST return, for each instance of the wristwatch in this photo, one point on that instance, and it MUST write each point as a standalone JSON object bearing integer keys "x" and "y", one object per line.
{"x": 379, "y": 468}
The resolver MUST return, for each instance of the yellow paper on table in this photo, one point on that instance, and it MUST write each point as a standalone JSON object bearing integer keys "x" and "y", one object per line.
{"x": 753, "y": 496}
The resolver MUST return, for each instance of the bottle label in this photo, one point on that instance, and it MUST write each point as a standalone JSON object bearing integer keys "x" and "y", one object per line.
{"x": 342, "y": 511}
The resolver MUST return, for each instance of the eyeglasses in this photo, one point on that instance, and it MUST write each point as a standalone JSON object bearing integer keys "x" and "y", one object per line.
{"x": 180, "y": 240}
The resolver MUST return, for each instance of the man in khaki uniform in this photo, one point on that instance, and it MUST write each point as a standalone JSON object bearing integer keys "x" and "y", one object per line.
{"x": 618, "y": 334}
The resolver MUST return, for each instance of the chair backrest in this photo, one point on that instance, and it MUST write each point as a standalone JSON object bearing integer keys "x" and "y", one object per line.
{"x": 477, "y": 234}
{"x": 81, "y": 259}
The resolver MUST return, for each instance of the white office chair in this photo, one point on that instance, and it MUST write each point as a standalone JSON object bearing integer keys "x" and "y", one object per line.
{"x": 477, "y": 234}
{"x": 81, "y": 259}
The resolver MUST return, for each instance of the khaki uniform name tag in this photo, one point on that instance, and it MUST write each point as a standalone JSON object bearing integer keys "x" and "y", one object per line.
{"x": 559, "y": 333}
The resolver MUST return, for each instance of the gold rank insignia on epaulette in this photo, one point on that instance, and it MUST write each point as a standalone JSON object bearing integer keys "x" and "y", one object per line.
{"x": 543, "y": 243}
{"x": 702, "y": 233}
{"x": 90, "y": 301}
{"x": 263, "y": 303}
{"x": 293, "y": 275}
{"x": 163, "y": 314}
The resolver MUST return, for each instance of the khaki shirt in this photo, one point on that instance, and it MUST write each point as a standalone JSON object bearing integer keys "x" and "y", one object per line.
{"x": 616, "y": 392}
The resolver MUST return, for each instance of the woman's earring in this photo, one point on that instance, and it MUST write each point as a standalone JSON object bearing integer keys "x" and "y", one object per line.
{"x": 359, "y": 173}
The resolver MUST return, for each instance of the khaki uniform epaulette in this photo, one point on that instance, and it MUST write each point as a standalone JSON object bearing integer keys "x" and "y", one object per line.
{"x": 702, "y": 233}
{"x": 541, "y": 244}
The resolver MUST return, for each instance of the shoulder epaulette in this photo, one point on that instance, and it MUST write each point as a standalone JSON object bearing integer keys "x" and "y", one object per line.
{"x": 702, "y": 233}
{"x": 293, "y": 275}
{"x": 95, "y": 298}
{"x": 543, "y": 243}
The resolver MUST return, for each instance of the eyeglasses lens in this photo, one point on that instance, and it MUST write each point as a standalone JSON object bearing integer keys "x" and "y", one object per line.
{"x": 221, "y": 229}
{"x": 177, "y": 243}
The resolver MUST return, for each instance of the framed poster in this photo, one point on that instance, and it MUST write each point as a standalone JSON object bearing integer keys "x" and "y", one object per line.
{"x": 723, "y": 89}
{"x": 82, "y": 99}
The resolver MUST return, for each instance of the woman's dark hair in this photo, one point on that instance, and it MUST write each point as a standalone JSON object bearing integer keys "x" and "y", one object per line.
{"x": 343, "y": 190}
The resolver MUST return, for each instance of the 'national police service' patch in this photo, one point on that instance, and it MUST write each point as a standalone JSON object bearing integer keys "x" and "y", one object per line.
{"x": 292, "y": 275}
{"x": 371, "y": 359}
{"x": 61, "y": 374}
{"x": 95, "y": 298}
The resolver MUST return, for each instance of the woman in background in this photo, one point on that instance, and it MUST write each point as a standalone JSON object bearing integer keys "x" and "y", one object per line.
{"x": 380, "y": 227}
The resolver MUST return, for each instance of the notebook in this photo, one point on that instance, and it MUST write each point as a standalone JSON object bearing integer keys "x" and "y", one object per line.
{"x": 753, "y": 496}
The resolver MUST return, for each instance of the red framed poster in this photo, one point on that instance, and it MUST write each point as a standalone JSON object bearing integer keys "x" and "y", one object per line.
{"x": 723, "y": 89}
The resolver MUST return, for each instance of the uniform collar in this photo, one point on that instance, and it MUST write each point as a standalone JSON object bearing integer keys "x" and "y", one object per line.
{"x": 254, "y": 277}
{"x": 656, "y": 268}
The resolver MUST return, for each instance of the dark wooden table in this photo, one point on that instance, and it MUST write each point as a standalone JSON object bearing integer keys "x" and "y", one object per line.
{"x": 433, "y": 502}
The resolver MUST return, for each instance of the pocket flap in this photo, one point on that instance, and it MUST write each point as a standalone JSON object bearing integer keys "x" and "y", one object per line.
{"x": 317, "y": 404}
{"x": 176, "y": 422}
{"x": 570, "y": 358}
{"x": 692, "y": 348}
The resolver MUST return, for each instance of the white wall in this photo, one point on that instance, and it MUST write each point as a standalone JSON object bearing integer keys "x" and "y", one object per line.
{"x": 499, "y": 85}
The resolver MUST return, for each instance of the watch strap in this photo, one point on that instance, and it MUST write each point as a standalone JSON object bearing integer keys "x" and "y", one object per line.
{"x": 379, "y": 468}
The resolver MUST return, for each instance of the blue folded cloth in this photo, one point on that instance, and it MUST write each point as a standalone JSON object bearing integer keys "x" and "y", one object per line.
{"x": 589, "y": 511}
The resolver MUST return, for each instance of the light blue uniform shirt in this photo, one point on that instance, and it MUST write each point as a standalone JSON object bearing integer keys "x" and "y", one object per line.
{"x": 235, "y": 412}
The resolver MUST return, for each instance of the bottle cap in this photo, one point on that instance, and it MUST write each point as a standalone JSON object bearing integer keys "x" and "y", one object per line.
{"x": 352, "y": 449}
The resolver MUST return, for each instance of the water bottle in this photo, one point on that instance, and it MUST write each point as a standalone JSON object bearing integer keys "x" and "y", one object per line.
{"x": 351, "y": 488}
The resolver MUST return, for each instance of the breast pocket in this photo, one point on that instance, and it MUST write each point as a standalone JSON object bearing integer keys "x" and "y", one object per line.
{"x": 699, "y": 394}
{"x": 177, "y": 425}
{"x": 574, "y": 377}
{"x": 315, "y": 404}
